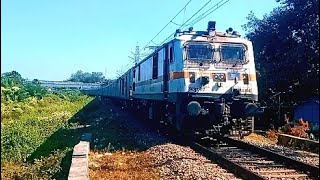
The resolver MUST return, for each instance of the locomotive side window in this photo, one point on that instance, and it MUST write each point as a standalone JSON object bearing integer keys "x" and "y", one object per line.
{"x": 171, "y": 54}
{"x": 200, "y": 51}
{"x": 122, "y": 87}
{"x": 232, "y": 53}
{"x": 155, "y": 66}
{"x": 119, "y": 85}
{"x": 134, "y": 73}
{"x": 139, "y": 74}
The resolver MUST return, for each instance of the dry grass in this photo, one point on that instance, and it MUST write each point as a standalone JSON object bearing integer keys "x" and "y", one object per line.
{"x": 122, "y": 165}
{"x": 272, "y": 135}
{"x": 259, "y": 139}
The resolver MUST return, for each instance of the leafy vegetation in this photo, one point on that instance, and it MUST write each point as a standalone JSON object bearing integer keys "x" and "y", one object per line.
{"x": 15, "y": 88}
{"x": 33, "y": 123}
{"x": 86, "y": 77}
{"x": 11, "y": 79}
{"x": 286, "y": 44}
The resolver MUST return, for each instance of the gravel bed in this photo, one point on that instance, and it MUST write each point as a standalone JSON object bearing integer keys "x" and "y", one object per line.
{"x": 169, "y": 160}
{"x": 179, "y": 162}
{"x": 143, "y": 136}
{"x": 304, "y": 156}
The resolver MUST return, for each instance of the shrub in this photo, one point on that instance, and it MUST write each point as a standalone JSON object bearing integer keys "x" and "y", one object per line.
{"x": 26, "y": 127}
{"x": 43, "y": 168}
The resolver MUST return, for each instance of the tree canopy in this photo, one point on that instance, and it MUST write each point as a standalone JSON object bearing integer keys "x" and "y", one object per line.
{"x": 15, "y": 88}
{"x": 86, "y": 77}
{"x": 286, "y": 45}
{"x": 13, "y": 78}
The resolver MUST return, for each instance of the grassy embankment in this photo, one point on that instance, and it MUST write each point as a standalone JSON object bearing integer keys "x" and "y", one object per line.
{"x": 38, "y": 134}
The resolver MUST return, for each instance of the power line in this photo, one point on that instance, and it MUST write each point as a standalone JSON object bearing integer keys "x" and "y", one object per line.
{"x": 199, "y": 18}
{"x": 167, "y": 24}
{"x": 203, "y": 15}
{"x": 175, "y": 23}
{"x": 171, "y": 21}
{"x": 195, "y": 13}
{"x": 187, "y": 21}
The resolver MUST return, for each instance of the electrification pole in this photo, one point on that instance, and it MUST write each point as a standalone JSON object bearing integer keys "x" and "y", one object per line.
{"x": 136, "y": 55}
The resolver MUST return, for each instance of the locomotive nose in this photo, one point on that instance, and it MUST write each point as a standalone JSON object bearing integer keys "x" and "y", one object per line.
{"x": 251, "y": 109}
{"x": 194, "y": 108}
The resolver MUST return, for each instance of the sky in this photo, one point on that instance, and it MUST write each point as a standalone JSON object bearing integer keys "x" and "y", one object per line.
{"x": 50, "y": 40}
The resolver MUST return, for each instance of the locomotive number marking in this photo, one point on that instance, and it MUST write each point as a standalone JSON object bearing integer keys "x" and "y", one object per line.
{"x": 194, "y": 89}
{"x": 249, "y": 90}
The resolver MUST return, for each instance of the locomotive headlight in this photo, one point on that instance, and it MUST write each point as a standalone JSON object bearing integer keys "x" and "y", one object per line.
{"x": 194, "y": 108}
{"x": 245, "y": 78}
{"x": 250, "y": 109}
{"x": 219, "y": 77}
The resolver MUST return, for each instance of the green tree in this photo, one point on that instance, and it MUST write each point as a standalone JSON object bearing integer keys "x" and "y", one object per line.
{"x": 15, "y": 88}
{"x": 86, "y": 77}
{"x": 286, "y": 45}
{"x": 10, "y": 79}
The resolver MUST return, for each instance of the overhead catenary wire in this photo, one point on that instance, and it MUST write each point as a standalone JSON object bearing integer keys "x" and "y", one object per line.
{"x": 194, "y": 21}
{"x": 167, "y": 24}
{"x": 195, "y": 14}
{"x": 199, "y": 18}
{"x": 208, "y": 12}
{"x": 182, "y": 25}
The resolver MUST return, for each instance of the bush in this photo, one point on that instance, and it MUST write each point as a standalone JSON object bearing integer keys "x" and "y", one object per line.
{"x": 44, "y": 168}
{"x": 33, "y": 122}
{"x": 27, "y": 125}
{"x": 24, "y": 131}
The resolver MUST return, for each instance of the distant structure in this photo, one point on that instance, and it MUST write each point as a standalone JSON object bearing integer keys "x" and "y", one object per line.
{"x": 67, "y": 85}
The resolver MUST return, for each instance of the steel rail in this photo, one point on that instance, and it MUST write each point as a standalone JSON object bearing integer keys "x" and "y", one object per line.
{"x": 226, "y": 163}
{"x": 299, "y": 165}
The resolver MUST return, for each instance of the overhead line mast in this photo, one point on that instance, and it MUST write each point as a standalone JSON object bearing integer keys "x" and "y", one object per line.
{"x": 136, "y": 55}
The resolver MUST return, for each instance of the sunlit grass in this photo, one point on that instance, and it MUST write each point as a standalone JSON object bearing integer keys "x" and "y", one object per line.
{"x": 36, "y": 135}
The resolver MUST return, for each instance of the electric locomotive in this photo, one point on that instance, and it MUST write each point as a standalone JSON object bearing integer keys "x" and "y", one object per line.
{"x": 200, "y": 81}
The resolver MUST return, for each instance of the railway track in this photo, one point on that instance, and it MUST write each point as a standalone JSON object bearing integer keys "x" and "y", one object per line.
{"x": 248, "y": 161}
{"x": 253, "y": 162}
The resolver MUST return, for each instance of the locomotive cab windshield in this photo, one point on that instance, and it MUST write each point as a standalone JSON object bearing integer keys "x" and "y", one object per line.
{"x": 199, "y": 51}
{"x": 205, "y": 52}
{"x": 232, "y": 53}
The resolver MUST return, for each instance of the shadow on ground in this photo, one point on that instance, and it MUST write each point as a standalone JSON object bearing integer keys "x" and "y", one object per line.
{"x": 104, "y": 121}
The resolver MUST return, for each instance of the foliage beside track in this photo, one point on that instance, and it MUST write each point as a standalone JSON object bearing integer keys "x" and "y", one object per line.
{"x": 30, "y": 116}
{"x": 25, "y": 125}
{"x": 286, "y": 46}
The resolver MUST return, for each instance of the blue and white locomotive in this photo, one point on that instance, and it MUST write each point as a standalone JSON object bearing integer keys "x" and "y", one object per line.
{"x": 200, "y": 80}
